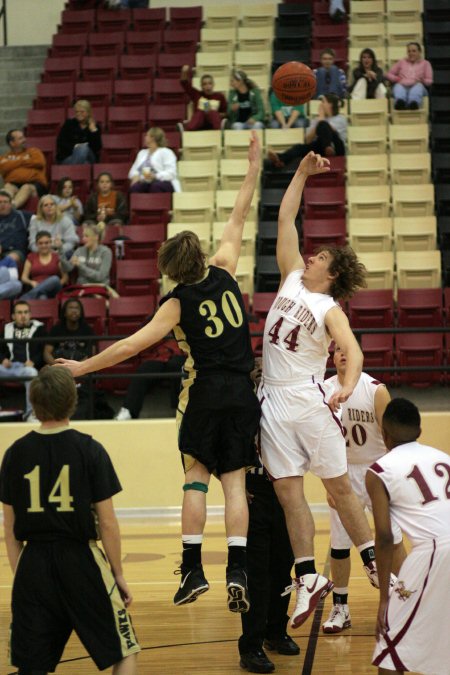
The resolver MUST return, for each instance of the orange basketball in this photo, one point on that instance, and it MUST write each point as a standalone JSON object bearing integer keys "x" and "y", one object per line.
{"x": 294, "y": 83}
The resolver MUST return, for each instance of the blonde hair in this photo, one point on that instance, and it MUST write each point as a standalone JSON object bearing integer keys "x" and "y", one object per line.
{"x": 158, "y": 136}
{"x": 83, "y": 103}
{"x": 182, "y": 259}
{"x": 40, "y": 212}
{"x": 97, "y": 229}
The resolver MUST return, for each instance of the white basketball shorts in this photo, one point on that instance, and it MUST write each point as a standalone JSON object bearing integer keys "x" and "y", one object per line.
{"x": 299, "y": 432}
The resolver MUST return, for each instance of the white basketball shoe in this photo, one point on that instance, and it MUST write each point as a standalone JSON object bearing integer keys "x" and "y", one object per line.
{"x": 372, "y": 573}
{"x": 338, "y": 620}
{"x": 310, "y": 588}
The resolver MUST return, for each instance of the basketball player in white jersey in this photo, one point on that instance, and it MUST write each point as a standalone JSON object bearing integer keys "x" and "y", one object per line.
{"x": 361, "y": 419}
{"x": 411, "y": 486}
{"x": 299, "y": 429}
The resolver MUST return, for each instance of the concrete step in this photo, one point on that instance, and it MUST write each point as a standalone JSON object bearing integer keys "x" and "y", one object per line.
{"x": 23, "y": 87}
{"x": 19, "y": 64}
{"x": 15, "y": 113}
{"x": 24, "y": 52}
{"x": 20, "y": 100}
{"x": 30, "y": 74}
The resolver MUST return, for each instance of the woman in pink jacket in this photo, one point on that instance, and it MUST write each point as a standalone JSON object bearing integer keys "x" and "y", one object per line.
{"x": 410, "y": 76}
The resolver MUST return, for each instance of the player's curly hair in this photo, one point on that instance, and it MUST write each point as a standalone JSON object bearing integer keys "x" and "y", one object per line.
{"x": 182, "y": 259}
{"x": 350, "y": 273}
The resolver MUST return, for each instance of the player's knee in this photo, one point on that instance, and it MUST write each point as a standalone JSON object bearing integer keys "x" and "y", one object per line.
{"x": 340, "y": 553}
{"x": 196, "y": 485}
{"x": 338, "y": 487}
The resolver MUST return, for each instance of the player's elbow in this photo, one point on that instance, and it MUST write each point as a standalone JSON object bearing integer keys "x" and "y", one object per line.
{"x": 384, "y": 538}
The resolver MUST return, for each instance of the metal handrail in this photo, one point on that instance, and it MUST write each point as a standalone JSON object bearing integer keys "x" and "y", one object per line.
{"x": 4, "y": 22}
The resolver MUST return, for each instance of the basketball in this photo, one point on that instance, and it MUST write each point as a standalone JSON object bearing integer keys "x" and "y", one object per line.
{"x": 294, "y": 83}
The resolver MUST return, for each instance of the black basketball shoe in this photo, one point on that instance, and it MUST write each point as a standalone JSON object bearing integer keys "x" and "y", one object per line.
{"x": 238, "y": 598}
{"x": 193, "y": 583}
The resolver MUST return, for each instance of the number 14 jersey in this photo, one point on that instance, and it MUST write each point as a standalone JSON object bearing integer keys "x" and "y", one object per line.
{"x": 295, "y": 336}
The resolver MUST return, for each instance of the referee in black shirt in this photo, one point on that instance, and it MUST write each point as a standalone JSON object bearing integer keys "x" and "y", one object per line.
{"x": 56, "y": 485}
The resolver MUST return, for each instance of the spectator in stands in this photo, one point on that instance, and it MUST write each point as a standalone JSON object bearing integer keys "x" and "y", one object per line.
{"x": 68, "y": 203}
{"x": 10, "y": 285}
{"x": 367, "y": 77}
{"x": 22, "y": 169}
{"x": 69, "y": 334}
{"x": 92, "y": 260}
{"x": 22, "y": 359}
{"x": 245, "y": 104}
{"x": 286, "y": 116}
{"x": 337, "y": 11}
{"x": 330, "y": 78}
{"x": 61, "y": 229}
{"x": 326, "y": 135}
{"x": 210, "y": 107}
{"x": 411, "y": 77}
{"x": 155, "y": 167}
{"x": 107, "y": 204}
{"x": 79, "y": 140}
{"x": 13, "y": 229}
{"x": 42, "y": 270}
{"x": 139, "y": 386}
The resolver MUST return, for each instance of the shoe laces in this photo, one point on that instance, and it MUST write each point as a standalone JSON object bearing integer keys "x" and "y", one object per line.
{"x": 336, "y": 611}
{"x": 295, "y": 586}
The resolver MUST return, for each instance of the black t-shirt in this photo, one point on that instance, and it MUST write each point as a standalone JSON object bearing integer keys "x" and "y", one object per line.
{"x": 245, "y": 108}
{"x": 52, "y": 480}
{"x": 213, "y": 328}
{"x": 70, "y": 347}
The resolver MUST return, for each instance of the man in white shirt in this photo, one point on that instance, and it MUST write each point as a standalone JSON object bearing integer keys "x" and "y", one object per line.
{"x": 410, "y": 484}
{"x": 361, "y": 419}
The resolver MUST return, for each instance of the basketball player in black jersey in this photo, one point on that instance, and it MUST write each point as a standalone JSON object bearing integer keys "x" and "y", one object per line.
{"x": 55, "y": 484}
{"x": 218, "y": 411}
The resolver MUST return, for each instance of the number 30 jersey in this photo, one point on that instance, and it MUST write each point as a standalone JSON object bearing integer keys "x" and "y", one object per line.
{"x": 52, "y": 478}
{"x": 295, "y": 336}
{"x": 362, "y": 434}
{"x": 213, "y": 329}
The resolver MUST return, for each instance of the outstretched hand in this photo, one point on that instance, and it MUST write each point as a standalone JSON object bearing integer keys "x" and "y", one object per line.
{"x": 73, "y": 366}
{"x": 341, "y": 396}
{"x": 254, "y": 149}
{"x": 313, "y": 164}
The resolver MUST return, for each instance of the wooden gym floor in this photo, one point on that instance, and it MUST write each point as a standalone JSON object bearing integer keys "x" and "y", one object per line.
{"x": 201, "y": 638}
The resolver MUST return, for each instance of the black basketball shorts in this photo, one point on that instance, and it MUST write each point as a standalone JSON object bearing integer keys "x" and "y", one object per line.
{"x": 62, "y": 586}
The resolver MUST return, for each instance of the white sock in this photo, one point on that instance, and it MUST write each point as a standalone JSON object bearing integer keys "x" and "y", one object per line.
{"x": 304, "y": 559}
{"x": 368, "y": 544}
{"x": 192, "y": 538}
{"x": 237, "y": 541}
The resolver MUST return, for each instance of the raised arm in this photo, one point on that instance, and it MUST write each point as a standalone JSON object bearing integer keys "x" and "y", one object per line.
{"x": 288, "y": 251}
{"x": 162, "y": 323}
{"x": 227, "y": 255}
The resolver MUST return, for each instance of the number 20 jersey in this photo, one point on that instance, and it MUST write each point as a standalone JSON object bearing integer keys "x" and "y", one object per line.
{"x": 295, "y": 336}
{"x": 213, "y": 329}
{"x": 362, "y": 434}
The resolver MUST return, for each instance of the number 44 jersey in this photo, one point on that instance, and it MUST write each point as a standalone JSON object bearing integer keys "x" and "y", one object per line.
{"x": 295, "y": 335}
{"x": 363, "y": 437}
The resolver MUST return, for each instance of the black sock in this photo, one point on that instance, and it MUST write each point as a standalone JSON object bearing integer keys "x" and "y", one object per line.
{"x": 367, "y": 555}
{"x": 192, "y": 555}
{"x": 340, "y": 598}
{"x": 237, "y": 556}
{"x": 305, "y": 567}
